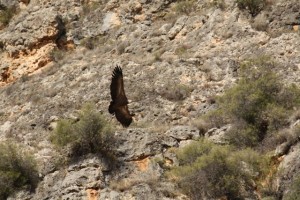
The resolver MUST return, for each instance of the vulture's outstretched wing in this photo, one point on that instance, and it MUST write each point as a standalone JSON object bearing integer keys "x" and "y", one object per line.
{"x": 118, "y": 105}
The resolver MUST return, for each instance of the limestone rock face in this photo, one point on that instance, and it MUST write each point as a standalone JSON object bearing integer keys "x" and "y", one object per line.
{"x": 32, "y": 36}
{"x": 81, "y": 180}
{"x": 136, "y": 144}
{"x": 31, "y": 31}
{"x": 285, "y": 14}
{"x": 57, "y": 55}
{"x": 289, "y": 170}
{"x": 183, "y": 133}
{"x": 28, "y": 42}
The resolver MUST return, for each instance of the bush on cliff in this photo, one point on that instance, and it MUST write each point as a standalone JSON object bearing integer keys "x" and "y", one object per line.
{"x": 91, "y": 134}
{"x": 207, "y": 170}
{"x": 258, "y": 105}
{"x": 17, "y": 169}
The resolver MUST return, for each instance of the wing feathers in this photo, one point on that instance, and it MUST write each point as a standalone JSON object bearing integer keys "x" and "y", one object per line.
{"x": 117, "y": 87}
{"x": 118, "y": 105}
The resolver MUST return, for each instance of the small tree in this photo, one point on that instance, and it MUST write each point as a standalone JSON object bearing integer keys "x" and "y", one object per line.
{"x": 259, "y": 104}
{"x": 17, "y": 169}
{"x": 91, "y": 134}
{"x": 254, "y": 6}
{"x": 216, "y": 171}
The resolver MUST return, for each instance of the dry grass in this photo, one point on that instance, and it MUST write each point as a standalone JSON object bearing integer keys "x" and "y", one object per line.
{"x": 161, "y": 128}
{"x": 260, "y": 23}
{"x": 201, "y": 125}
{"x": 175, "y": 92}
{"x": 185, "y": 7}
{"x": 149, "y": 178}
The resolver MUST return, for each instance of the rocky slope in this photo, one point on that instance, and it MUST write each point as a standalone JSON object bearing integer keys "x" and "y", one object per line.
{"x": 57, "y": 55}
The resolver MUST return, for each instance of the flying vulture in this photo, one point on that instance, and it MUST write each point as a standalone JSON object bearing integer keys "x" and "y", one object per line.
{"x": 118, "y": 105}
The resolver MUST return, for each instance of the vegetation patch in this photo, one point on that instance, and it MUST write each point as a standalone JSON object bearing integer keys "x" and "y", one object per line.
{"x": 260, "y": 104}
{"x": 6, "y": 13}
{"x": 259, "y": 108}
{"x": 253, "y": 6}
{"x": 207, "y": 170}
{"x": 17, "y": 169}
{"x": 218, "y": 4}
{"x": 175, "y": 92}
{"x": 91, "y": 134}
{"x": 185, "y": 7}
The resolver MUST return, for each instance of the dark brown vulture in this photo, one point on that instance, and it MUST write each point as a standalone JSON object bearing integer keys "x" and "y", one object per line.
{"x": 118, "y": 105}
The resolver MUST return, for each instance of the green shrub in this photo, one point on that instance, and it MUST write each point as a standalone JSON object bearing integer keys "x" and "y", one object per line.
{"x": 17, "y": 169}
{"x": 254, "y": 91}
{"x": 259, "y": 104}
{"x": 217, "y": 171}
{"x": 242, "y": 134}
{"x": 254, "y": 6}
{"x": 185, "y": 7}
{"x": 277, "y": 116}
{"x": 175, "y": 92}
{"x": 91, "y": 134}
{"x": 218, "y": 4}
{"x": 63, "y": 133}
{"x": 201, "y": 125}
{"x": 190, "y": 153}
{"x": 6, "y": 13}
{"x": 216, "y": 118}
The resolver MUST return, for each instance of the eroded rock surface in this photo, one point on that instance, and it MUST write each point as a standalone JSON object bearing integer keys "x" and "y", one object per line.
{"x": 57, "y": 55}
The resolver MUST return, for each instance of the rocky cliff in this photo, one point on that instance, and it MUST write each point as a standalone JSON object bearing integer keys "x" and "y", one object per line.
{"x": 57, "y": 55}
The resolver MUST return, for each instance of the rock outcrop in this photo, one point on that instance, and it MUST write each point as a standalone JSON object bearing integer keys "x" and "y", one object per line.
{"x": 56, "y": 55}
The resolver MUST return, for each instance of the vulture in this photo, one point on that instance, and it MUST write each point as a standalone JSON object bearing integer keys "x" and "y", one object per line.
{"x": 118, "y": 105}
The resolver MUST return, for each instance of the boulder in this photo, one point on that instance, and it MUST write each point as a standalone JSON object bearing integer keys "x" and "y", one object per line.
{"x": 135, "y": 144}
